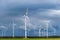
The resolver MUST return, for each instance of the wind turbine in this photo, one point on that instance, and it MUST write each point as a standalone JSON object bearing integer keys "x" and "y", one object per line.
{"x": 13, "y": 28}
{"x": 26, "y": 23}
{"x": 39, "y": 31}
{"x": 47, "y": 25}
{"x": 46, "y": 28}
{"x": 54, "y": 30}
{"x": 3, "y": 29}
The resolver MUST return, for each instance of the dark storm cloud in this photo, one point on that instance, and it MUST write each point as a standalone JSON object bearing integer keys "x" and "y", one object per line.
{"x": 38, "y": 9}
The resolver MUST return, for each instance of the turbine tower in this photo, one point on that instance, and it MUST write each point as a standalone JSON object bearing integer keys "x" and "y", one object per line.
{"x": 39, "y": 31}
{"x": 45, "y": 28}
{"x": 26, "y": 23}
{"x": 3, "y": 30}
{"x": 13, "y": 28}
{"x": 47, "y": 24}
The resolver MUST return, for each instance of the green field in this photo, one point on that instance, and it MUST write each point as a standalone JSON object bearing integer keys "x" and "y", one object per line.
{"x": 29, "y": 38}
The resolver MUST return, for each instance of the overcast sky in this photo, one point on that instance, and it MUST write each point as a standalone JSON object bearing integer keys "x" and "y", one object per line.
{"x": 38, "y": 11}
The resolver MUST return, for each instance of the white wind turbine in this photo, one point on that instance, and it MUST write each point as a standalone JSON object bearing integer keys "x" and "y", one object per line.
{"x": 39, "y": 31}
{"x": 26, "y": 23}
{"x": 54, "y": 30}
{"x": 3, "y": 30}
{"x": 13, "y": 29}
{"x": 47, "y": 24}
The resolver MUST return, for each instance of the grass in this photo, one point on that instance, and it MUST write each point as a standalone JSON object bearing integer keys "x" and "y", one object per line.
{"x": 29, "y": 38}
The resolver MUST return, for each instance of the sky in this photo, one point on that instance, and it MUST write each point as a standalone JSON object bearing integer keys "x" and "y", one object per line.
{"x": 38, "y": 12}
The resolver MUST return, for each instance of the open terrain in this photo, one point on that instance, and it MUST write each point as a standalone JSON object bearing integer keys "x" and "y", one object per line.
{"x": 29, "y": 38}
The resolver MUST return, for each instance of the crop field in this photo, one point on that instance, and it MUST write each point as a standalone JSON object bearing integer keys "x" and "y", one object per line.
{"x": 29, "y": 38}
